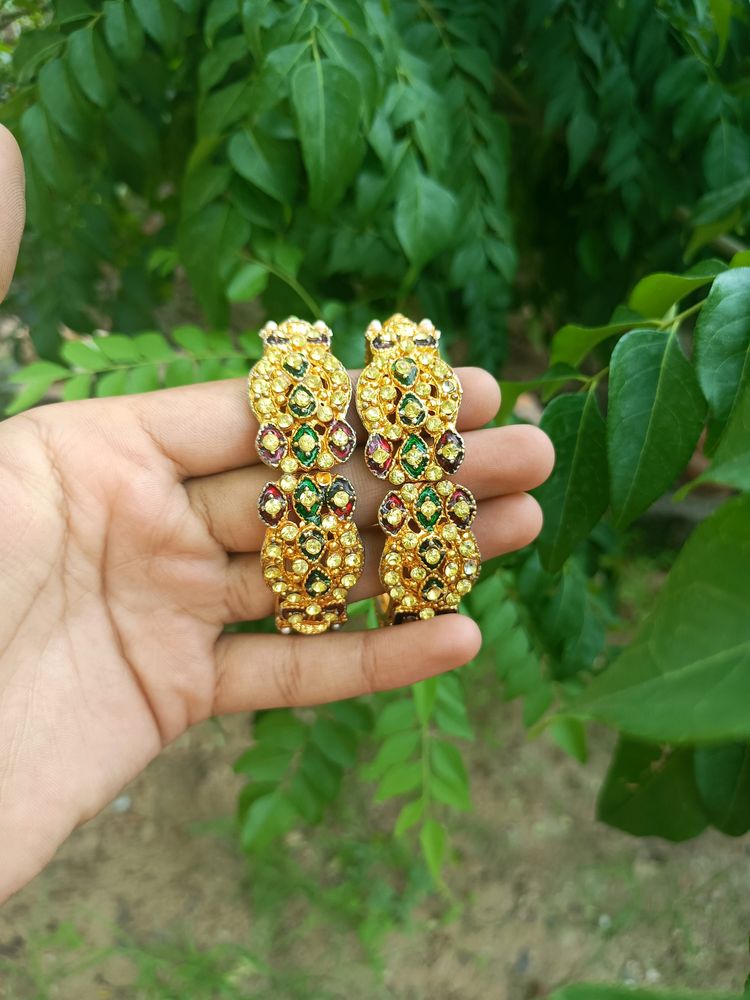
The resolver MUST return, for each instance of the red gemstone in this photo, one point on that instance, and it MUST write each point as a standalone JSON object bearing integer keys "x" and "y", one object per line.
{"x": 271, "y": 504}
{"x": 449, "y": 451}
{"x": 271, "y": 444}
{"x": 340, "y": 497}
{"x": 341, "y": 440}
{"x": 462, "y": 507}
{"x": 379, "y": 455}
{"x": 392, "y": 513}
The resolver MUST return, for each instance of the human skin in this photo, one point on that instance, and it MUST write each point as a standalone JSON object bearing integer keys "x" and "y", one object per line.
{"x": 129, "y": 539}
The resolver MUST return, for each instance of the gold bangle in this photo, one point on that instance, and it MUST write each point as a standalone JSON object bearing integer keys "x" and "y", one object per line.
{"x": 408, "y": 400}
{"x": 312, "y": 554}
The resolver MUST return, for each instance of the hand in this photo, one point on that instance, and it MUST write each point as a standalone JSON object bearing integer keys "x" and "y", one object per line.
{"x": 129, "y": 538}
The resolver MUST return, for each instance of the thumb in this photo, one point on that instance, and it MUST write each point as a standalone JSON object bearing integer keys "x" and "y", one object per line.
{"x": 11, "y": 206}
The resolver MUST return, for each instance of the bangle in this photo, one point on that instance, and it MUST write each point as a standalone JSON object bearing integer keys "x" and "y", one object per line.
{"x": 408, "y": 400}
{"x": 312, "y": 554}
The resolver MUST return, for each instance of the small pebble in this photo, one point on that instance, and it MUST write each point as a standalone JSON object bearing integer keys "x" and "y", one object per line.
{"x": 122, "y": 804}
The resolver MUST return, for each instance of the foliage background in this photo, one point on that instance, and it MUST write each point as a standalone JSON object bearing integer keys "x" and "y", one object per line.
{"x": 512, "y": 170}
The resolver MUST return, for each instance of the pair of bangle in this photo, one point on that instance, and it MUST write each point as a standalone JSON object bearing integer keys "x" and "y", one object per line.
{"x": 407, "y": 400}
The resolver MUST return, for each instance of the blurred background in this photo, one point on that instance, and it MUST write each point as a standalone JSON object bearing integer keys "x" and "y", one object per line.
{"x": 563, "y": 187}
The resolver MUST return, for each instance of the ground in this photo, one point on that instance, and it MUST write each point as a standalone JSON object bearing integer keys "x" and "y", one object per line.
{"x": 543, "y": 895}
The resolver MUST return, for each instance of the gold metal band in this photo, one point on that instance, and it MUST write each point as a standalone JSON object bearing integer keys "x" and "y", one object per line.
{"x": 312, "y": 554}
{"x": 408, "y": 400}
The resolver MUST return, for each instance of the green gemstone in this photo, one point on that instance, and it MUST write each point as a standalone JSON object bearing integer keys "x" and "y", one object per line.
{"x": 312, "y": 543}
{"x": 411, "y": 410}
{"x": 317, "y": 583}
{"x": 414, "y": 456}
{"x": 308, "y": 500}
{"x": 404, "y": 371}
{"x": 306, "y": 445}
{"x": 296, "y": 365}
{"x": 428, "y": 508}
{"x": 301, "y": 401}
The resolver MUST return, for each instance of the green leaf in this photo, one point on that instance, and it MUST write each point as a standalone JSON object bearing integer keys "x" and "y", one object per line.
{"x": 553, "y": 379}
{"x": 409, "y": 816}
{"x": 62, "y": 103}
{"x": 216, "y": 63}
{"x": 327, "y": 102}
{"x": 581, "y": 135}
{"x": 112, "y": 383}
{"x": 449, "y": 782}
{"x": 119, "y": 349}
{"x": 656, "y": 414}
{"x": 123, "y": 31}
{"x": 434, "y": 841}
{"x": 142, "y": 378}
{"x": 426, "y": 219}
{"x": 45, "y": 150}
{"x": 576, "y": 494}
{"x": 424, "y": 694}
{"x": 337, "y": 742}
{"x": 721, "y": 12}
{"x": 210, "y": 242}
{"x": 81, "y": 355}
{"x": 396, "y": 716}
{"x": 570, "y": 736}
{"x": 398, "y": 780}
{"x": 78, "y": 387}
{"x": 573, "y": 342}
{"x": 731, "y": 462}
{"x": 722, "y": 775}
{"x": 264, "y": 763}
{"x": 192, "y": 338}
{"x": 39, "y": 371}
{"x": 248, "y": 283}
{"x": 162, "y": 21}
{"x": 153, "y": 347}
{"x": 395, "y": 749}
{"x": 268, "y": 818}
{"x": 30, "y": 394}
{"x": 718, "y": 204}
{"x": 270, "y": 164}
{"x": 280, "y": 728}
{"x": 656, "y": 293}
{"x": 650, "y": 791}
{"x": 92, "y": 66}
{"x": 685, "y": 678}
{"x": 722, "y": 343}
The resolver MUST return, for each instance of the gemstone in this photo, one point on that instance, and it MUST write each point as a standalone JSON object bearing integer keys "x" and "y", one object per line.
{"x": 404, "y": 616}
{"x": 414, "y": 456}
{"x": 341, "y": 497}
{"x": 428, "y": 507}
{"x": 317, "y": 583}
{"x": 308, "y": 500}
{"x": 378, "y": 455}
{"x": 433, "y": 589}
{"x": 404, "y": 371}
{"x": 312, "y": 543}
{"x": 433, "y": 425}
{"x": 392, "y": 513}
{"x": 461, "y": 507}
{"x": 271, "y": 504}
{"x": 449, "y": 451}
{"x": 270, "y": 444}
{"x": 411, "y": 410}
{"x": 299, "y": 567}
{"x": 341, "y": 440}
{"x": 296, "y": 364}
{"x": 301, "y": 401}
{"x": 306, "y": 445}
{"x": 431, "y": 552}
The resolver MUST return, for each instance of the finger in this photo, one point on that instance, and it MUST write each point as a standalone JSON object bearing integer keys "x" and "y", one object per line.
{"x": 209, "y": 427}
{"x": 503, "y": 525}
{"x": 499, "y": 460}
{"x": 268, "y": 671}
{"x": 11, "y": 206}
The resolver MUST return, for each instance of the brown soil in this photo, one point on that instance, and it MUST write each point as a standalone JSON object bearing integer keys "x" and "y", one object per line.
{"x": 546, "y": 895}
